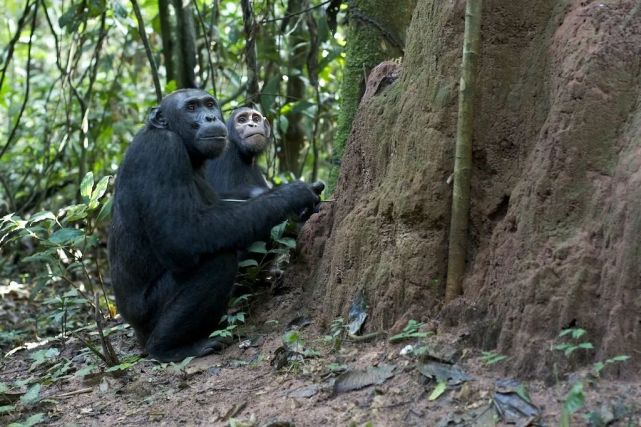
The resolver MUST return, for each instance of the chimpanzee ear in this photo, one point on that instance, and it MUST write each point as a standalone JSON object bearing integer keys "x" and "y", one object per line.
{"x": 156, "y": 118}
{"x": 268, "y": 129}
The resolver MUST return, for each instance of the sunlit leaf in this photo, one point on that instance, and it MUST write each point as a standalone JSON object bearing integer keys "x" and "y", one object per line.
{"x": 440, "y": 388}
{"x": 100, "y": 189}
{"x": 41, "y": 216}
{"x": 86, "y": 186}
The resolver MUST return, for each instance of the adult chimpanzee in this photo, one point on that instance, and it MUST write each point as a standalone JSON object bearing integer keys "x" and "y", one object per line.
{"x": 173, "y": 242}
{"x": 235, "y": 173}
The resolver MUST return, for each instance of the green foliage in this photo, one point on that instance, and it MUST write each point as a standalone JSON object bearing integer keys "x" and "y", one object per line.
{"x": 126, "y": 363}
{"x": 62, "y": 239}
{"x": 440, "y": 388}
{"x": 410, "y": 331}
{"x": 598, "y": 367}
{"x": 75, "y": 92}
{"x": 574, "y": 400}
{"x": 32, "y": 396}
{"x": 570, "y": 347}
{"x": 490, "y": 357}
{"x": 336, "y": 332}
{"x": 31, "y": 421}
{"x": 293, "y": 341}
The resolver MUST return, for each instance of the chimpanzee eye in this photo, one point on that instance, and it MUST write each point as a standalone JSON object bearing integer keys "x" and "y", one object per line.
{"x": 256, "y": 118}
{"x": 242, "y": 119}
{"x": 210, "y": 104}
{"x": 191, "y": 107}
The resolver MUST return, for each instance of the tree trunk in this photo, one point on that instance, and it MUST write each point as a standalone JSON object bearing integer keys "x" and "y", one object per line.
{"x": 294, "y": 139}
{"x": 167, "y": 37}
{"x": 178, "y": 41}
{"x": 463, "y": 157}
{"x": 185, "y": 54}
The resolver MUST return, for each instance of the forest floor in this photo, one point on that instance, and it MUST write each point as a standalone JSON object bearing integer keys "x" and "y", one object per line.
{"x": 375, "y": 383}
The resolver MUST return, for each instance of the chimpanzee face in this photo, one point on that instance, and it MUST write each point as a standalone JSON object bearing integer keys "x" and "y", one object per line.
{"x": 250, "y": 130}
{"x": 195, "y": 116}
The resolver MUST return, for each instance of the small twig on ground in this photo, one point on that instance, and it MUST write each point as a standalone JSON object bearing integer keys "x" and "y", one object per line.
{"x": 74, "y": 393}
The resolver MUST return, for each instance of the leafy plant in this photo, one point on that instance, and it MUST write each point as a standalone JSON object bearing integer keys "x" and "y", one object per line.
{"x": 490, "y": 357}
{"x": 126, "y": 363}
{"x": 599, "y": 366}
{"x": 570, "y": 347}
{"x": 336, "y": 332}
{"x": 410, "y": 331}
{"x": 64, "y": 238}
{"x": 293, "y": 341}
{"x": 574, "y": 400}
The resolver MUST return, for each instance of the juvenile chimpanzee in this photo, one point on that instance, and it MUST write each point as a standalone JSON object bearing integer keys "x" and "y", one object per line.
{"x": 173, "y": 242}
{"x": 235, "y": 173}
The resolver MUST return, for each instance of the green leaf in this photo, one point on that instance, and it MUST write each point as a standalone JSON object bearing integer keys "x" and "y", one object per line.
{"x": 105, "y": 211}
{"x": 86, "y": 186}
{"x": 301, "y": 106}
{"x": 65, "y": 236}
{"x": 41, "y": 216}
{"x": 287, "y": 241}
{"x": 620, "y": 358}
{"x": 283, "y": 124}
{"x": 31, "y": 421}
{"x": 269, "y": 92}
{"x": 575, "y": 399}
{"x": 258, "y": 248}
{"x": 85, "y": 371}
{"x": 171, "y": 86}
{"x": 440, "y": 388}
{"x": 75, "y": 212}
{"x": 100, "y": 189}
{"x": 248, "y": 263}
{"x": 6, "y": 409}
{"x": 31, "y": 396}
{"x": 586, "y": 345}
{"x": 578, "y": 333}
{"x": 41, "y": 356}
{"x": 278, "y": 230}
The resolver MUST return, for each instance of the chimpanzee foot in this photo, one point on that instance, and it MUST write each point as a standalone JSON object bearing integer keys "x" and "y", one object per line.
{"x": 197, "y": 349}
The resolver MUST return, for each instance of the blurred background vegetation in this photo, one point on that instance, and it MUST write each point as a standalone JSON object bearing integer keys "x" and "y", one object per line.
{"x": 76, "y": 83}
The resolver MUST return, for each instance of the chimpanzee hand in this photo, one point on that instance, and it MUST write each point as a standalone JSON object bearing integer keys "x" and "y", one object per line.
{"x": 308, "y": 211}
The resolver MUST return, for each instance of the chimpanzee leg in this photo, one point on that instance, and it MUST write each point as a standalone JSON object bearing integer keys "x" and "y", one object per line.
{"x": 191, "y": 307}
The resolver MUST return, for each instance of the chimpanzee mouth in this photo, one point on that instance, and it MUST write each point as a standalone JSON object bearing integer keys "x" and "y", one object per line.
{"x": 213, "y": 138}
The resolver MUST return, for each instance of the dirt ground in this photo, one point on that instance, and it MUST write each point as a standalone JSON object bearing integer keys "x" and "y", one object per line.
{"x": 240, "y": 387}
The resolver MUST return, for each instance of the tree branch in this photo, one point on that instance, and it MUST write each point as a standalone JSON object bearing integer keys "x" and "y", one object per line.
{"x": 10, "y": 48}
{"x": 150, "y": 57}
{"x": 28, "y": 85}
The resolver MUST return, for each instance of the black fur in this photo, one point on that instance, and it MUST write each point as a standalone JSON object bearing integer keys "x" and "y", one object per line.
{"x": 235, "y": 174}
{"x": 173, "y": 242}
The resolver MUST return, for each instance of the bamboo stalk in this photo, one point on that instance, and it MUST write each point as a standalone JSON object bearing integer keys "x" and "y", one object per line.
{"x": 463, "y": 155}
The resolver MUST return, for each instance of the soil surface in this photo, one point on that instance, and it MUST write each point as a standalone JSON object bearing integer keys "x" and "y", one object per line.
{"x": 241, "y": 387}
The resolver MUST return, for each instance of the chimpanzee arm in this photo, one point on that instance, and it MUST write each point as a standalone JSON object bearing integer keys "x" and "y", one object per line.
{"x": 179, "y": 223}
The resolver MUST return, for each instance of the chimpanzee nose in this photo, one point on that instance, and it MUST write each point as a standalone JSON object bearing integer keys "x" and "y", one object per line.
{"x": 210, "y": 118}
